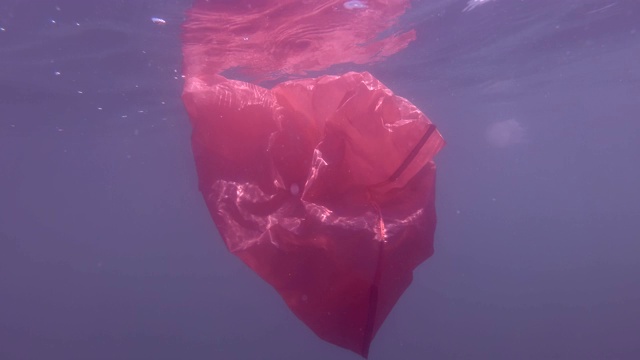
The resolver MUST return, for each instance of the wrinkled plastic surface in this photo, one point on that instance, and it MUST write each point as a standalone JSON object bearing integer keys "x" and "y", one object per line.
{"x": 324, "y": 187}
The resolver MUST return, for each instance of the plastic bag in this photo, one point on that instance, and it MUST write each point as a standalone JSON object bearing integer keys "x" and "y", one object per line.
{"x": 324, "y": 187}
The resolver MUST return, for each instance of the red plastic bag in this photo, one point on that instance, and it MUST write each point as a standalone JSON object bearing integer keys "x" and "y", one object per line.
{"x": 324, "y": 187}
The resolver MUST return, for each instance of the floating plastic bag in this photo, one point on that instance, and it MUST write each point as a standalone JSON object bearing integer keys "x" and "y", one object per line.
{"x": 324, "y": 187}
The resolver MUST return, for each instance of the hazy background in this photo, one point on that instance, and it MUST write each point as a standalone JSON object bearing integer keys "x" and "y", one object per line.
{"x": 107, "y": 250}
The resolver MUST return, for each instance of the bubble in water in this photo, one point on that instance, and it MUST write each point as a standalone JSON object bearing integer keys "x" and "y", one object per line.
{"x": 354, "y": 4}
{"x": 159, "y": 21}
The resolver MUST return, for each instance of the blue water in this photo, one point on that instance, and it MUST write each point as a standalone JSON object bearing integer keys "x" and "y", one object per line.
{"x": 108, "y": 252}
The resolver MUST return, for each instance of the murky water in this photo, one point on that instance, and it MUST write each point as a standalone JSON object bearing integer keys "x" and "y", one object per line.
{"x": 107, "y": 250}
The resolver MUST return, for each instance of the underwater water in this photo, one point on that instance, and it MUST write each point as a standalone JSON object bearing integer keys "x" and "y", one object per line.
{"x": 107, "y": 249}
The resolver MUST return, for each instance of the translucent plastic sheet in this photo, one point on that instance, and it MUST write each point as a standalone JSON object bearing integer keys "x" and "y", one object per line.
{"x": 323, "y": 186}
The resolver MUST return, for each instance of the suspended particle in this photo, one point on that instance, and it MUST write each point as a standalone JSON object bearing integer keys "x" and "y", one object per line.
{"x": 158, "y": 21}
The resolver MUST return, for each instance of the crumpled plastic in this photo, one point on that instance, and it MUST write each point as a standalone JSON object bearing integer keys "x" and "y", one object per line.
{"x": 324, "y": 187}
